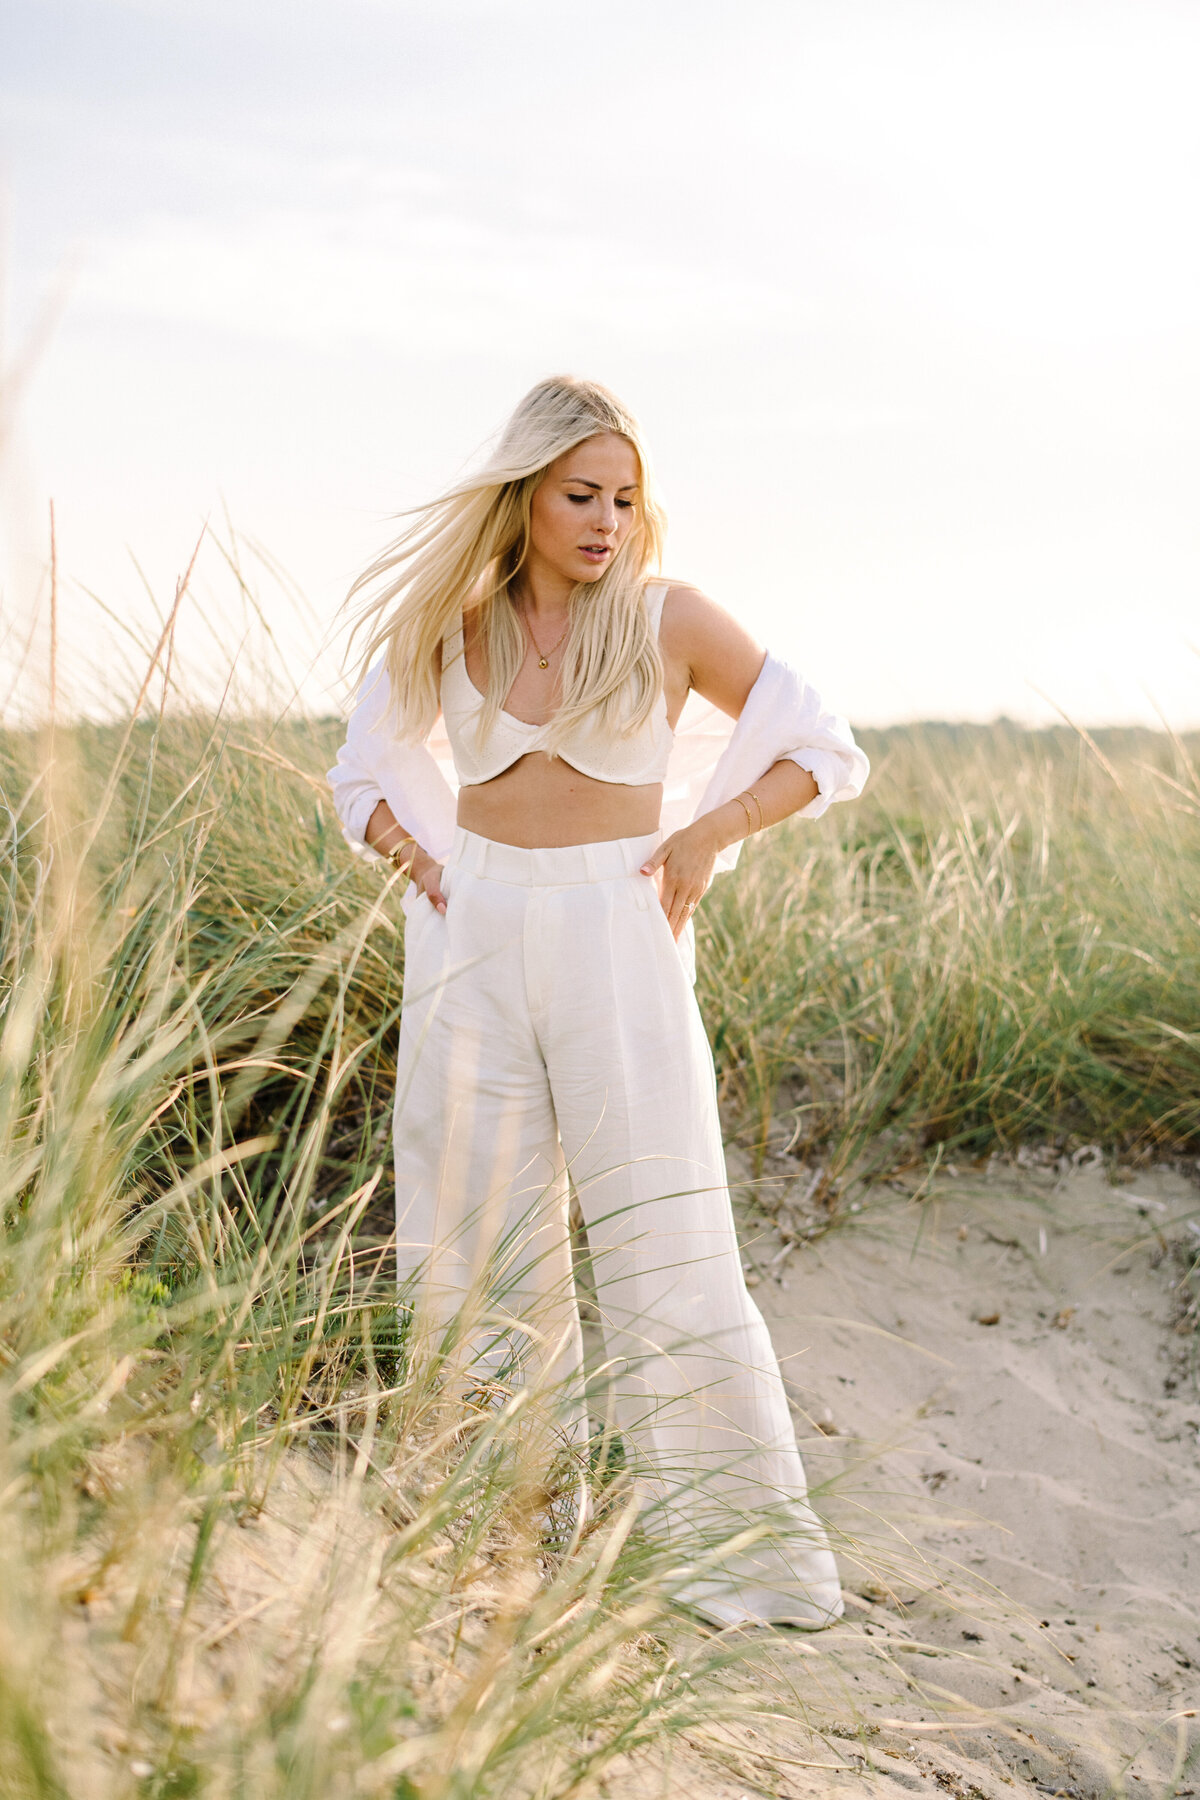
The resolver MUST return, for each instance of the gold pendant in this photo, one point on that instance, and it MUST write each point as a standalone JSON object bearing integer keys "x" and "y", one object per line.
{"x": 542, "y": 663}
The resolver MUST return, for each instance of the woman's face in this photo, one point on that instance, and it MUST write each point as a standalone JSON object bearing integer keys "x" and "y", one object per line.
{"x": 584, "y": 509}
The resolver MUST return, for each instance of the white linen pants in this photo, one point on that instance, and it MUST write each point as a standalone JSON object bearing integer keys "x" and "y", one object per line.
{"x": 549, "y": 1025}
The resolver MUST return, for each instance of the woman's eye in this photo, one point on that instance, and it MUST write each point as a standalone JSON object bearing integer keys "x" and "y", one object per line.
{"x": 579, "y": 498}
{"x": 627, "y": 504}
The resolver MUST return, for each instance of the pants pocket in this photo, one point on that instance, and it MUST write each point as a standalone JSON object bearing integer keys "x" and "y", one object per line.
{"x": 646, "y": 898}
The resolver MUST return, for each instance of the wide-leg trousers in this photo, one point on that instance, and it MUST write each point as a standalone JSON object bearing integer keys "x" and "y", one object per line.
{"x": 550, "y": 1038}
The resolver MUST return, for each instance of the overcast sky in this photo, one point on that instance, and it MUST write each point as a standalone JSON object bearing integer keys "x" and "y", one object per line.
{"x": 906, "y": 295}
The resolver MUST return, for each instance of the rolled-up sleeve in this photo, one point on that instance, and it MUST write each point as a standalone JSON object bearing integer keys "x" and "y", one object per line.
{"x": 824, "y": 743}
{"x": 784, "y": 720}
{"x": 375, "y": 764}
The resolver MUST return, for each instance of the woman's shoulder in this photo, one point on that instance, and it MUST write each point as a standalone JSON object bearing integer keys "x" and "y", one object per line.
{"x": 680, "y": 603}
{"x": 689, "y": 615}
{"x": 671, "y": 585}
{"x": 722, "y": 659}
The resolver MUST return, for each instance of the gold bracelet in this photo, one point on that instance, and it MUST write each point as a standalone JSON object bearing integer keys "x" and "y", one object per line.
{"x": 746, "y": 810}
{"x": 762, "y": 823}
{"x": 397, "y": 850}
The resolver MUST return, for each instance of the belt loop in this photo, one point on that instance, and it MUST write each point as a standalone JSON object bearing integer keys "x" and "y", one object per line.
{"x": 589, "y": 861}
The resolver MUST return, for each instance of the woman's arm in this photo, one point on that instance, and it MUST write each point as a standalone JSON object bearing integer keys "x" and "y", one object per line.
{"x": 687, "y": 857}
{"x": 377, "y": 780}
{"x": 709, "y": 651}
{"x": 385, "y": 833}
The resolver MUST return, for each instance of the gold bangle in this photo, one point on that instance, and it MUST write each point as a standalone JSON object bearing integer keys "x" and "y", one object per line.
{"x": 762, "y": 823}
{"x": 397, "y": 850}
{"x": 746, "y": 810}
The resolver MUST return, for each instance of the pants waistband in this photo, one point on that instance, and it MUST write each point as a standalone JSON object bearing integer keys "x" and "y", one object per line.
{"x": 611, "y": 860}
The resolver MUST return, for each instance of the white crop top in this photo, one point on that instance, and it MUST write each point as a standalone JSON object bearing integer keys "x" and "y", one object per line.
{"x": 634, "y": 761}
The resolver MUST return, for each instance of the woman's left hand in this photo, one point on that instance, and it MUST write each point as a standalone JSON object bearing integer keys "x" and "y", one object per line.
{"x": 684, "y": 865}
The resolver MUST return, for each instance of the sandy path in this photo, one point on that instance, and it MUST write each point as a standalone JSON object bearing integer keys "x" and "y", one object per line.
{"x": 1024, "y": 1495}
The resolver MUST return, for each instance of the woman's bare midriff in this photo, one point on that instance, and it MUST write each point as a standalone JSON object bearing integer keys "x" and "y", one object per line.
{"x": 542, "y": 803}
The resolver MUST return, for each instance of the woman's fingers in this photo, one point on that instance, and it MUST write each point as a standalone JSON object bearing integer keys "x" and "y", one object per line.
{"x": 677, "y": 907}
{"x": 677, "y": 903}
{"x": 683, "y": 877}
{"x": 667, "y": 894}
{"x": 431, "y": 882}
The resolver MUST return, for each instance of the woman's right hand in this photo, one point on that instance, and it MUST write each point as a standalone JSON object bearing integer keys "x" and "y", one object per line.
{"x": 427, "y": 876}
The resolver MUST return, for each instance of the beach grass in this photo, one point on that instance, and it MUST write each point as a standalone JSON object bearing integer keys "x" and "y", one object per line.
{"x": 257, "y": 1541}
{"x": 250, "y": 1548}
{"x": 997, "y": 946}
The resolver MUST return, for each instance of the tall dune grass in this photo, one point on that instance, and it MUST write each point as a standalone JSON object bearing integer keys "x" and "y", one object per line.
{"x": 200, "y": 991}
{"x": 999, "y": 943}
{"x": 251, "y": 1546}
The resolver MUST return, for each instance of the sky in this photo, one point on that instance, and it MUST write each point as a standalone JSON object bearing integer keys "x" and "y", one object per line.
{"x": 906, "y": 296}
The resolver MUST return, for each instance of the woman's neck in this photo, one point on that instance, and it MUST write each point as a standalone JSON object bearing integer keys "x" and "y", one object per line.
{"x": 541, "y": 592}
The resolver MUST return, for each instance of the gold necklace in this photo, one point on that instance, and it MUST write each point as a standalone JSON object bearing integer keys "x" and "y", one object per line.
{"x": 544, "y": 659}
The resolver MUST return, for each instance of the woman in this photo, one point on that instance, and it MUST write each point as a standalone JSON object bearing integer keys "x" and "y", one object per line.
{"x": 550, "y": 1037}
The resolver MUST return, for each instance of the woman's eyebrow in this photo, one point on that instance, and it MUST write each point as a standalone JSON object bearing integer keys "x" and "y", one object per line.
{"x": 630, "y": 486}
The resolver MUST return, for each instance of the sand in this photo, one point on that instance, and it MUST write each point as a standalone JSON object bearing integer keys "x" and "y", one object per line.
{"x": 996, "y": 1394}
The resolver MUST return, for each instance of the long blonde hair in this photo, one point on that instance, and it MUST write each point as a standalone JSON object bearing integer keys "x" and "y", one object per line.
{"x": 465, "y": 550}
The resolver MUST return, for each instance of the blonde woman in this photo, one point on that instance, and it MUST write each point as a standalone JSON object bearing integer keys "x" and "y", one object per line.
{"x": 550, "y": 1036}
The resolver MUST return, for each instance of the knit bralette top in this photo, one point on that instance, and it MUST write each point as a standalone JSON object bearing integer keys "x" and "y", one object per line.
{"x": 634, "y": 761}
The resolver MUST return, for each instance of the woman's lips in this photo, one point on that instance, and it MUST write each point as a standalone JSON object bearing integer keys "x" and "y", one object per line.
{"x": 595, "y": 552}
